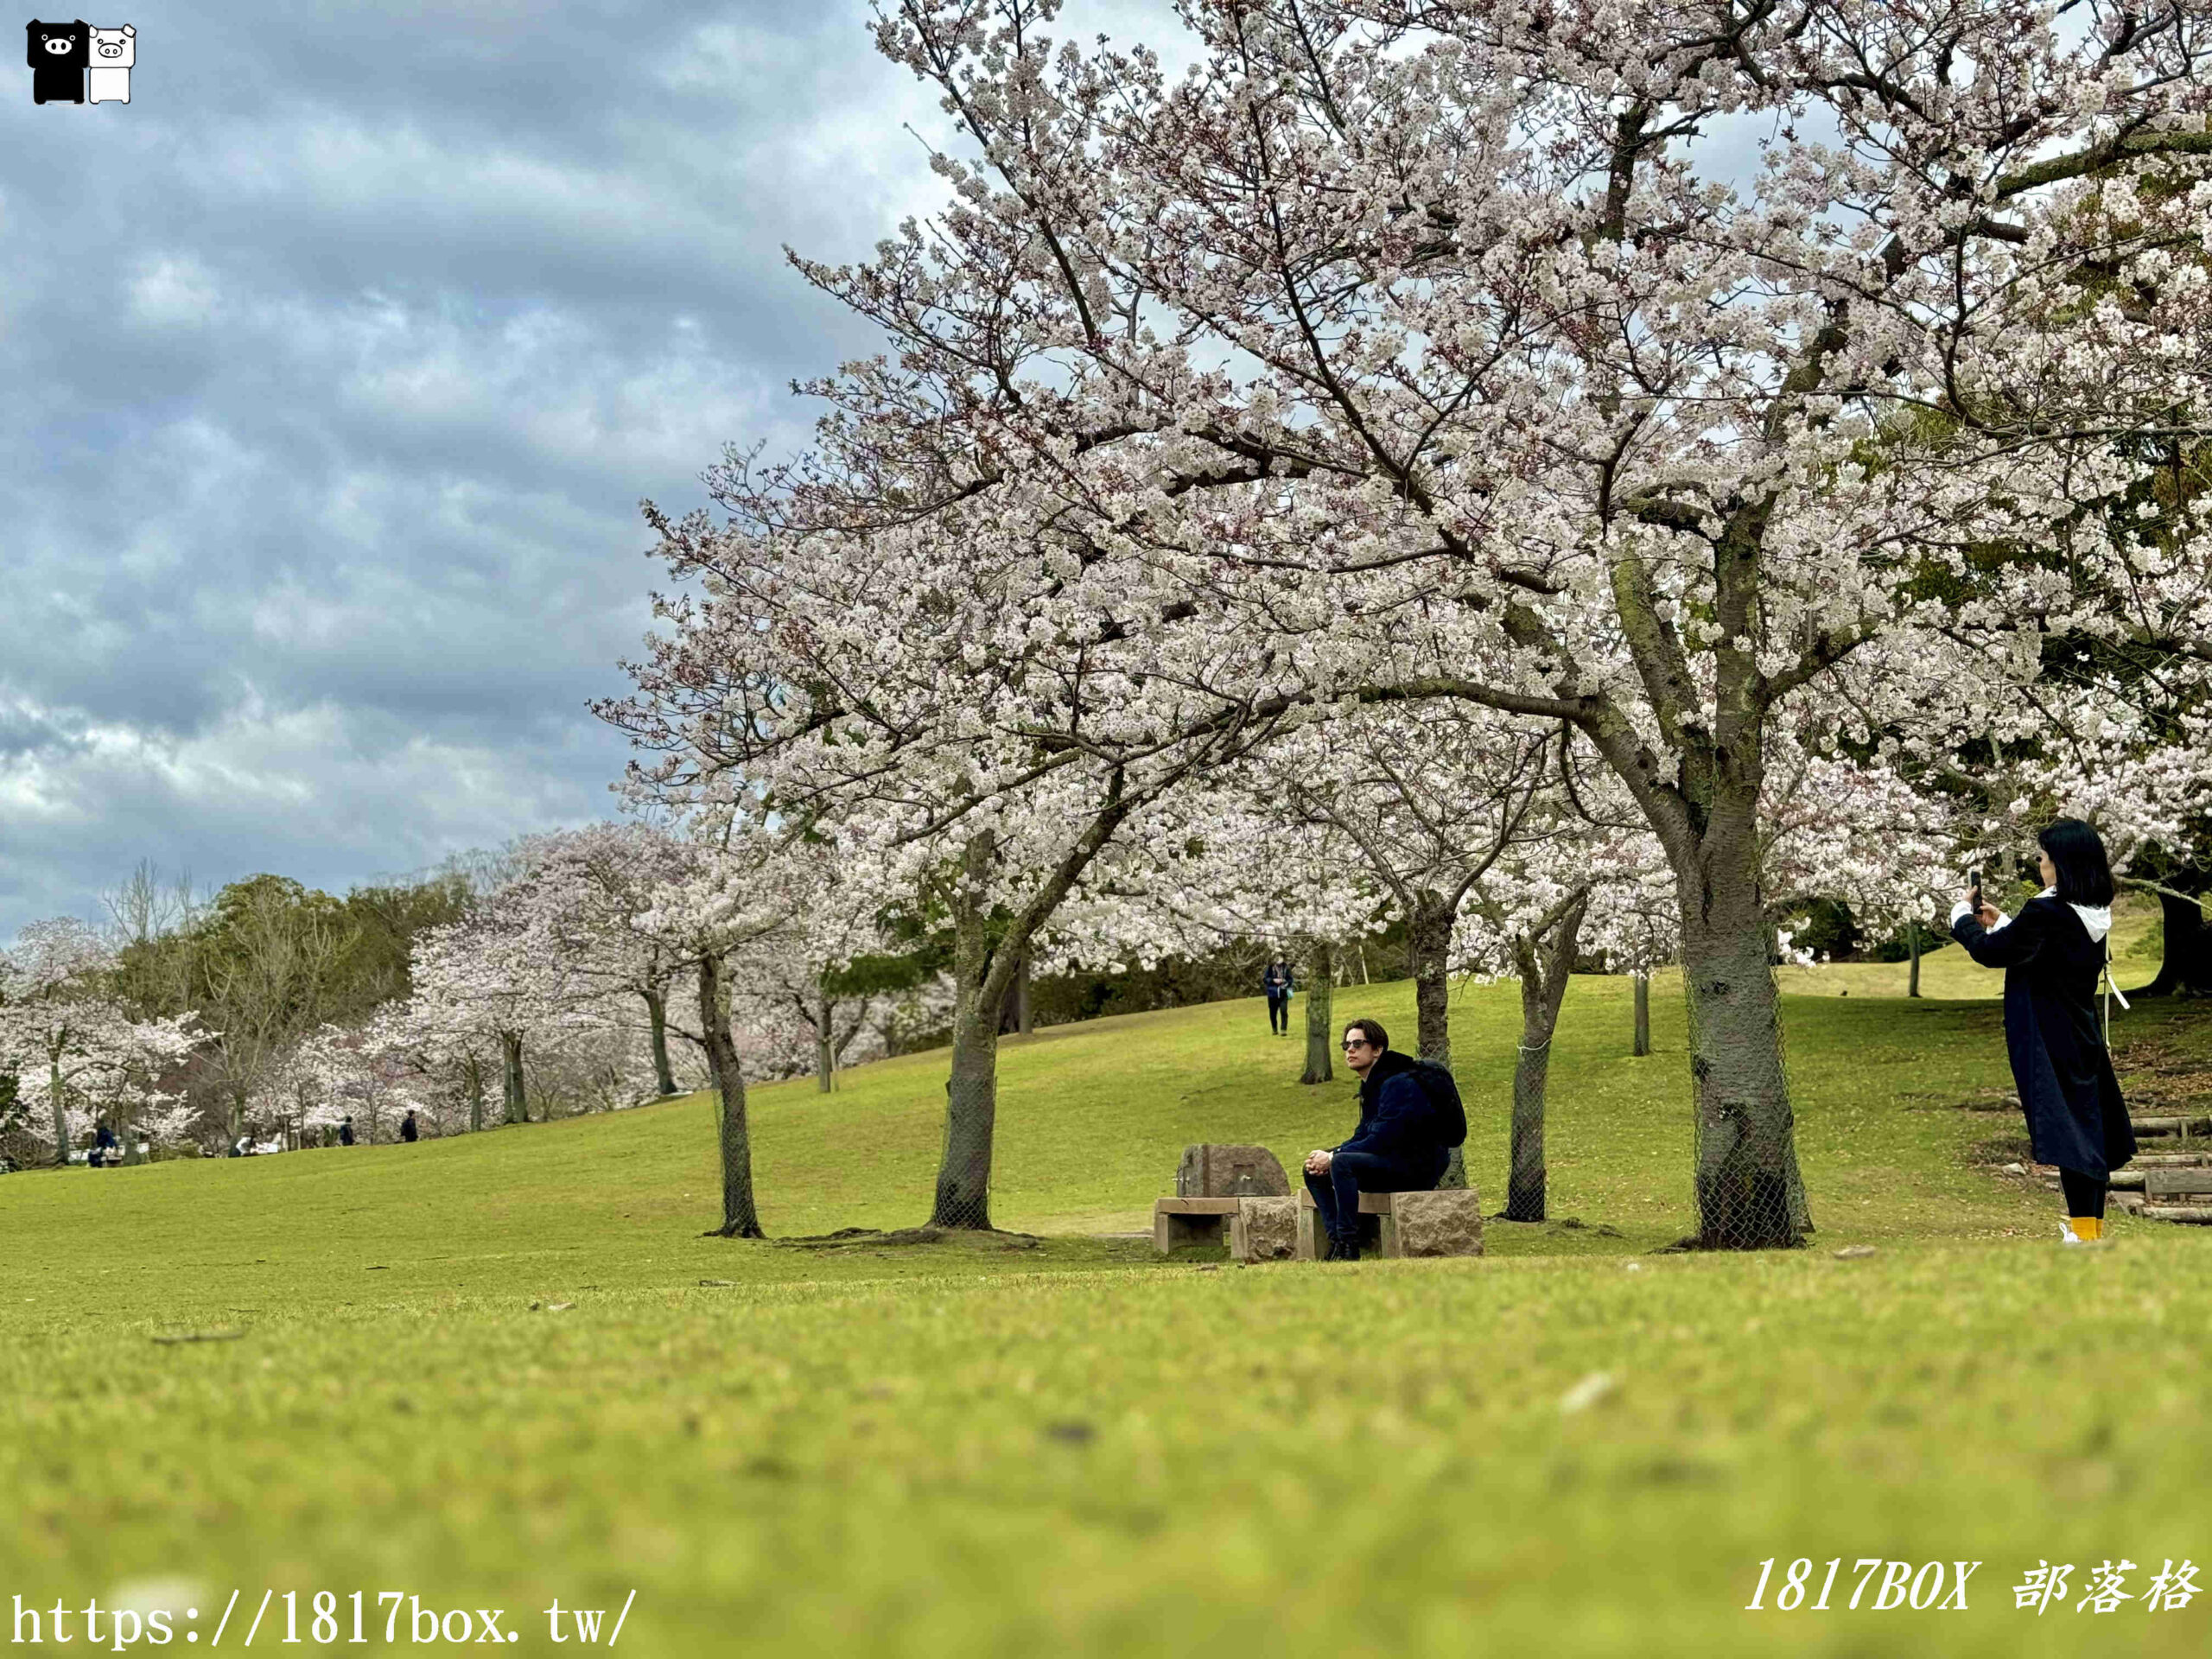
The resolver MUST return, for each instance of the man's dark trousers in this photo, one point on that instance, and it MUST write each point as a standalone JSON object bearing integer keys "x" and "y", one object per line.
{"x": 1335, "y": 1194}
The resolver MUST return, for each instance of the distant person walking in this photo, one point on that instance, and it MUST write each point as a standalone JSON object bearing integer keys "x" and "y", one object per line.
{"x": 1278, "y": 985}
{"x": 407, "y": 1129}
{"x": 1405, "y": 1136}
{"x": 105, "y": 1147}
{"x": 346, "y": 1132}
{"x": 2052, "y": 953}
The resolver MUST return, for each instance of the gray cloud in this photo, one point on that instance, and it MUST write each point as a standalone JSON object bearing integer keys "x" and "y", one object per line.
{"x": 334, "y": 366}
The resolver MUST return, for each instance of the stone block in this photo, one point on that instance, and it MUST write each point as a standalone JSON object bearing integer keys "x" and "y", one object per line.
{"x": 1178, "y": 1222}
{"x": 1447, "y": 1222}
{"x": 1264, "y": 1230}
{"x": 1227, "y": 1172}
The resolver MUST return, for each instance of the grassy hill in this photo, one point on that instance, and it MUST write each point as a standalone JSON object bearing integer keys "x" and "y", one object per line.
{"x": 503, "y": 1368}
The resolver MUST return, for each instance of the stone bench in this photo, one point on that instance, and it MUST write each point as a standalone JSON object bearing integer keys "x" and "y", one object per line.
{"x": 1177, "y": 1222}
{"x": 1257, "y": 1230}
{"x": 1264, "y": 1230}
{"x": 1445, "y": 1221}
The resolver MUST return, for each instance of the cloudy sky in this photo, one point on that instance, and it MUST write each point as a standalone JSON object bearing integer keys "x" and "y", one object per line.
{"x": 332, "y": 367}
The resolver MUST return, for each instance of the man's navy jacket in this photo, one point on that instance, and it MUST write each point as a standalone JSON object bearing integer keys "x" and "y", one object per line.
{"x": 1395, "y": 1119}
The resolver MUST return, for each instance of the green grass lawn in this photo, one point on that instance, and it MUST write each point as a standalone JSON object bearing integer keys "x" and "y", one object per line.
{"x": 1572, "y": 1446}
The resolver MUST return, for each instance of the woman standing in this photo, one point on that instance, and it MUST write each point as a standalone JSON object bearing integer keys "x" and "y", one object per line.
{"x": 2051, "y": 953}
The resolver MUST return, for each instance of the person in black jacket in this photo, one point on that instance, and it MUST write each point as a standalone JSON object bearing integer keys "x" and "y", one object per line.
{"x": 407, "y": 1129}
{"x": 1278, "y": 985}
{"x": 2052, "y": 953}
{"x": 1399, "y": 1146}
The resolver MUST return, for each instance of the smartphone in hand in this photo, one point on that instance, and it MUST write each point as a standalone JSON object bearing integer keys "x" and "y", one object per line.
{"x": 1973, "y": 889}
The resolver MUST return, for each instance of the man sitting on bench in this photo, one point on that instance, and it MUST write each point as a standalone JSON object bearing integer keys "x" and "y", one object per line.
{"x": 1400, "y": 1145}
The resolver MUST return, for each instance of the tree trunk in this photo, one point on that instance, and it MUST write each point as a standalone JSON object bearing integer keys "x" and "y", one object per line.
{"x": 1749, "y": 1195}
{"x": 1320, "y": 967}
{"x": 963, "y": 1178}
{"x": 1545, "y": 969}
{"x": 1428, "y": 944}
{"x": 825, "y": 1055}
{"x": 1642, "y": 1015}
{"x": 515, "y": 1100}
{"x": 1428, "y": 940}
{"x": 472, "y": 1071}
{"x": 657, "y": 1016}
{"x": 1525, "y": 1173}
{"x": 1015, "y": 1017}
{"x": 55, "y": 1094}
{"x": 1912, "y": 945}
{"x": 2185, "y": 969}
{"x": 983, "y": 972}
{"x": 740, "y": 1219}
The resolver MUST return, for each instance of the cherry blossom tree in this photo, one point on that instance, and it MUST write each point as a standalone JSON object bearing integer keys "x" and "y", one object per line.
{"x": 299, "y": 1091}
{"x": 1399, "y": 352}
{"x": 581, "y": 894}
{"x": 816, "y": 989}
{"x": 548, "y": 962}
{"x": 71, "y": 1046}
{"x": 1527, "y": 911}
{"x": 370, "y": 1072}
{"x": 577, "y": 896}
{"x": 734, "y": 904}
{"x": 830, "y": 988}
{"x": 906, "y": 712}
{"x": 489, "y": 976}
{"x": 451, "y": 1051}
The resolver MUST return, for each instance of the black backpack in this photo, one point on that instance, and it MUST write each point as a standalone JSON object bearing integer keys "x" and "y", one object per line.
{"x": 1444, "y": 1107}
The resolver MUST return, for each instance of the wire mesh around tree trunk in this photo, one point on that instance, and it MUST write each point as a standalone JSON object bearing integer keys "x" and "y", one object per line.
{"x": 1749, "y": 1196}
{"x": 962, "y": 1210}
{"x": 963, "y": 1199}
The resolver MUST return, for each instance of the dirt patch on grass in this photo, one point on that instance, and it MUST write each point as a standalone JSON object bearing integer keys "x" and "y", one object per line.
{"x": 2162, "y": 1079}
{"x": 1997, "y": 1101}
{"x": 873, "y": 1238}
{"x": 1997, "y": 1150}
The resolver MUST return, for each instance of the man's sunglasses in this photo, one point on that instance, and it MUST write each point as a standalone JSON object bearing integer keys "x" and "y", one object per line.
{"x": 1351, "y": 1043}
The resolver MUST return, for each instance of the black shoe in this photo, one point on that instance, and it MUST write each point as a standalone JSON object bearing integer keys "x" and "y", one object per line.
{"x": 1344, "y": 1250}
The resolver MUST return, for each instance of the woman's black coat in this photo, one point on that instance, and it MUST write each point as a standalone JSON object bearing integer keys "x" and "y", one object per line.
{"x": 2076, "y": 1118}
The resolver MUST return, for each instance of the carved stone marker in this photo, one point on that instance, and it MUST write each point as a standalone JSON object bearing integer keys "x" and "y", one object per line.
{"x": 1264, "y": 1230}
{"x": 1222, "y": 1171}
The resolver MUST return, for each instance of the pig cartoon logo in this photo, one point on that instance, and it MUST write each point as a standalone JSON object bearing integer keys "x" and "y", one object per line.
{"x": 59, "y": 54}
{"x": 113, "y": 51}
